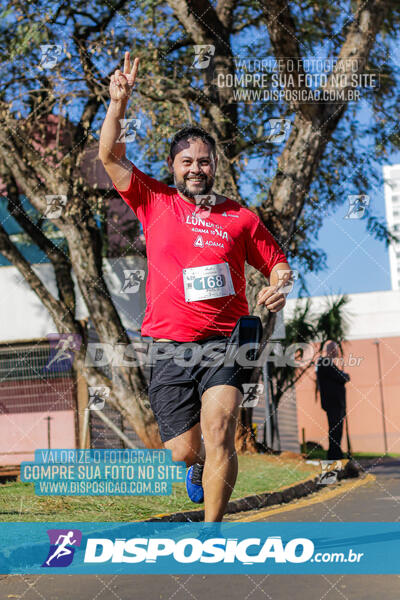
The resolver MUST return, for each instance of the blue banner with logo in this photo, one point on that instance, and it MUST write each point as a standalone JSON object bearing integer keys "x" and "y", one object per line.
{"x": 159, "y": 547}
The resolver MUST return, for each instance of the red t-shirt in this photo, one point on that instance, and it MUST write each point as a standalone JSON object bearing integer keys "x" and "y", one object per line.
{"x": 178, "y": 238}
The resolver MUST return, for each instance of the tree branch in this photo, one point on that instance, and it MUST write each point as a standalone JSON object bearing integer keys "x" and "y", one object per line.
{"x": 186, "y": 41}
{"x": 282, "y": 33}
{"x": 304, "y": 149}
{"x": 61, "y": 263}
{"x": 255, "y": 21}
{"x": 225, "y": 10}
{"x": 102, "y": 24}
{"x": 57, "y": 309}
{"x": 28, "y": 168}
{"x": 200, "y": 20}
{"x": 243, "y": 145}
{"x": 360, "y": 38}
{"x": 176, "y": 94}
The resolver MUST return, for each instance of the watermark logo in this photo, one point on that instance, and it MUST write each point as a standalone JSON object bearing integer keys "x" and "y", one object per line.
{"x": 358, "y": 206}
{"x": 97, "y": 397}
{"x": 55, "y": 206}
{"x": 279, "y": 130}
{"x": 67, "y": 472}
{"x": 352, "y": 361}
{"x": 340, "y": 362}
{"x": 204, "y": 204}
{"x": 63, "y": 543}
{"x": 133, "y": 279}
{"x": 252, "y": 392}
{"x": 329, "y": 472}
{"x": 50, "y": 55}
{"x": 286, "y": 280}
{"x": 129, "y": 127}
{"x": 202, "y": 56}
{"x": 266, "y": 79}
{"x": 62, "y": 350}
{"x": 135, "y": 548}
{"x": 218, "y": 549}
{"x": 101, "y": 354}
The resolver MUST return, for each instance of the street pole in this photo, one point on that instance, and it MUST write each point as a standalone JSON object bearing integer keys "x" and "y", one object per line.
{"x": 48, "y": 432}
{"x": 268, "y": 430}
{"x": 377, "y": 342}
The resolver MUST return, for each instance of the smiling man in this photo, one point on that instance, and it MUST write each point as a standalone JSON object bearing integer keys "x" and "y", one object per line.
{"x": 197, "y": 244}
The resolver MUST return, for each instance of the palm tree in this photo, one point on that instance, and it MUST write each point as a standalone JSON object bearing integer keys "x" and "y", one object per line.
{"x": 333, "y": 323}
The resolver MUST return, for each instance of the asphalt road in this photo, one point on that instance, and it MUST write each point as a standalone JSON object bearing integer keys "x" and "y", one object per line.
{"x": 378, "y": 500}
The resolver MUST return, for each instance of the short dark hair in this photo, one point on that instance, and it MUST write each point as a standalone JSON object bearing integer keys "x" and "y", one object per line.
{"x": 188, "y": 132}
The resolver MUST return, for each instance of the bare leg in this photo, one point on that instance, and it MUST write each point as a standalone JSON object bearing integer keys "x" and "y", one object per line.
{"x": 187, "y": 447}
{"x": 219, "y": 412}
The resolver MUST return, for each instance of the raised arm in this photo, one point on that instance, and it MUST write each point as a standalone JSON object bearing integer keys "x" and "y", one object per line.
{"x": 111, "y": 151}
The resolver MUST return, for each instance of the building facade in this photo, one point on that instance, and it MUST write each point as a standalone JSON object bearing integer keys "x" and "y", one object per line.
{"x": 391, "y": 175}
{"x": 372, "y": 359}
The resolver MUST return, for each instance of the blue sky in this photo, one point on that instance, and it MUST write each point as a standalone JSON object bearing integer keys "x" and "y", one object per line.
{"x": 356, "y": 261}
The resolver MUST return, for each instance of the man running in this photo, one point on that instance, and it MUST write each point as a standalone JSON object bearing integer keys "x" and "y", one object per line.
{"x": 195, "y": 292}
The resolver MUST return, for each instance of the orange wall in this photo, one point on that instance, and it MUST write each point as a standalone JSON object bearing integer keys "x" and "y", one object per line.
{"x": 28, "y": 432}
{"x": 363, "y": 398}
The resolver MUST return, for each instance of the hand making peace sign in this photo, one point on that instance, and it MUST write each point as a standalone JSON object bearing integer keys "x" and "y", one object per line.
{"x": 121, "y": 84}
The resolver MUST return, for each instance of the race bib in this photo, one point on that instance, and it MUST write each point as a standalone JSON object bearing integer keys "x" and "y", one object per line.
{"x": 210, "y": 281}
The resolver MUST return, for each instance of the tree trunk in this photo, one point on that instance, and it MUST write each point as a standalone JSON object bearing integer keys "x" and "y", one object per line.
{"x": 245, "y": 440}
{"x": 129, "y": 386}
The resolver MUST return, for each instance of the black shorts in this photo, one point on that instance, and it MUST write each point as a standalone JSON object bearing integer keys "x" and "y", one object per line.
{"x": 178, "y": 381}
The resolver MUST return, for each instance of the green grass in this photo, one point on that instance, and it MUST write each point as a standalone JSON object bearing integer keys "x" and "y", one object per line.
{"x": 317, "y": 453}
{"x": 374, "y": 455}
{"x": 257, "y": 474}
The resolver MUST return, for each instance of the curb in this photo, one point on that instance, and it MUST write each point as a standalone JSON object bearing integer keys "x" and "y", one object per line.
{"x": 257, "y": 501}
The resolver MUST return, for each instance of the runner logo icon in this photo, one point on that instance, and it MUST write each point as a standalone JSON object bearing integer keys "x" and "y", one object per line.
{"x": 61, "y": 551}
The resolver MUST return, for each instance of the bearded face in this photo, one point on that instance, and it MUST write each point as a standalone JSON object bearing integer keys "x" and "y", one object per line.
{"x": 194, "y": 168}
